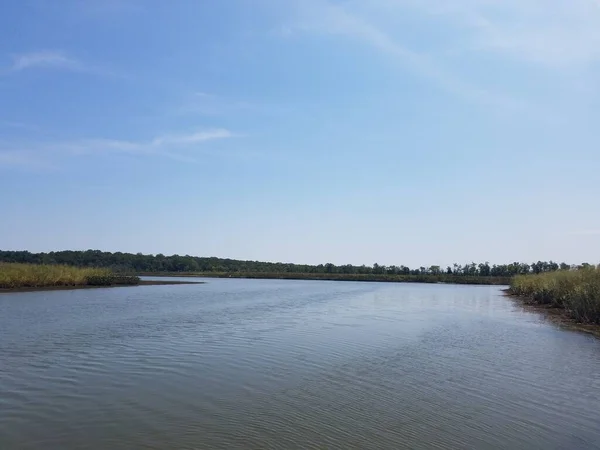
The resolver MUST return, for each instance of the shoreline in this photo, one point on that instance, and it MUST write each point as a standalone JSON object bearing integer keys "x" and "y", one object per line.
{"x": 423, "y": 279}
{"x": 86, "y": 286}
{"x": 558, "y": 316}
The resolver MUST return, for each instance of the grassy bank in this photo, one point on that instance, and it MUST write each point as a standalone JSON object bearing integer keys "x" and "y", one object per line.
{"x": 442, "y": 278}
{"x": 577, "y": 292}
{"x": 18, "y": 276}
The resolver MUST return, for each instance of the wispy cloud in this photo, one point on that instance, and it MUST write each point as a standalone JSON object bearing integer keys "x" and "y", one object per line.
{"x": 56, "y": 60}
{"x": 455, "y": 44}
{"x": 555, "y": 33}
{"x": 164, "y": 145}
{"x": 172, "y": 146}
{"x": 333, "y": 18}
{"x": 44, "y": 59}
{"x": 194, "y": 138}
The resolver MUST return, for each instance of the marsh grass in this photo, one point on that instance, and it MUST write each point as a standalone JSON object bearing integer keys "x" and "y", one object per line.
{"x": 15, "y": 276}
{"x": 577, "y": 291}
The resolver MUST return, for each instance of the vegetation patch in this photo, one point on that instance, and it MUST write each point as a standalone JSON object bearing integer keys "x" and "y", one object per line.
{"x": 112, "y": 280}
{"x": 471, "y": 273}
{"x": 17, "y": 276}
{"x": 575, "y": 291}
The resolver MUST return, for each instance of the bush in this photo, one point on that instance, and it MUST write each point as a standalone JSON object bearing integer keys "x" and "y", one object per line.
{"x": 126, "y": 280}
{"x": 100, "y": 280}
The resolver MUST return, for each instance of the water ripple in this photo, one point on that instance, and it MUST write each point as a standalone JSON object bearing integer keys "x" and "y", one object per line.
{"x": 284, "y": 365}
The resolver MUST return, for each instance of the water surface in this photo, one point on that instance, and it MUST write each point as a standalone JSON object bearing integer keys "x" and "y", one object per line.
{"x": 291, "y": 364}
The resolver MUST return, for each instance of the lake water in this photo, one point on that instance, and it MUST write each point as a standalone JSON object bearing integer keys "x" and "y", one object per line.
{"x": 264, "y": 364}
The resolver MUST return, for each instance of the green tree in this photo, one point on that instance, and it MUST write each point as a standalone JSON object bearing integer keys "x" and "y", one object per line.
{"x": 484, "y": 269}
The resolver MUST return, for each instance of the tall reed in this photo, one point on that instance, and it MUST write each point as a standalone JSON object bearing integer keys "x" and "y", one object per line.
{"x": 577, "y": 291}
{"x": 14, "y": 275}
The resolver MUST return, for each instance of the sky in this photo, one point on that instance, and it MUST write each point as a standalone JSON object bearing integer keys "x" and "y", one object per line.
{"x": 416, "y": 132}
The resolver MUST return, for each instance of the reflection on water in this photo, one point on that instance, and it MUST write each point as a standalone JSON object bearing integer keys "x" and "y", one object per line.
{"x": 291, "y": 364}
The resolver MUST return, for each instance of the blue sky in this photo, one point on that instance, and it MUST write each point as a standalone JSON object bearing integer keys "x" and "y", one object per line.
{"x": 391, "y": 131}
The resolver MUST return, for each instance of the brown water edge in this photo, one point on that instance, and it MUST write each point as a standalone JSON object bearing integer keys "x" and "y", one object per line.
{"x": 69, "y": 288}
{"x": 558, "y": 316}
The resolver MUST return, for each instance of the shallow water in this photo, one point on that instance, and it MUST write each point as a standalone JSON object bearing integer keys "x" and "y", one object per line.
{"x": 291, "y": 364}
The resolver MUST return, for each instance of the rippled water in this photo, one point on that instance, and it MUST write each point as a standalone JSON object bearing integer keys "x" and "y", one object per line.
{"x": 291, "y": 364}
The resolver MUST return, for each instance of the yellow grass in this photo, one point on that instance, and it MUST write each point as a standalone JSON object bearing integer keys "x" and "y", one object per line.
{"x": 32, "y": 275}
{"x": 578, "y": 291}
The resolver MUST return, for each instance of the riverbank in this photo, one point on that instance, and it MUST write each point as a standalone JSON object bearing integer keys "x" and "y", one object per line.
{"x": 570, "y": 298}
{"x": 16, "y": 277}
{"x": 70, "y": 288}
{"x": 442, "y": 278}
{"x": 556, "y": 315}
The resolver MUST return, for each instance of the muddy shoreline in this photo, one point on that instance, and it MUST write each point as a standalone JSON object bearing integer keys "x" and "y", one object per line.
{"x": 557, "y": 316}
{"x": 70, "y": 288}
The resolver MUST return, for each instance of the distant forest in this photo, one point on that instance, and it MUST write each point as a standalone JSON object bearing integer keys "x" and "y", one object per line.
{"x": 139, "y": 263}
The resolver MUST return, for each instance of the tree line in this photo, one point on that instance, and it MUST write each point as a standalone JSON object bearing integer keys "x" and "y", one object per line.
{"x": 140, "y": 263}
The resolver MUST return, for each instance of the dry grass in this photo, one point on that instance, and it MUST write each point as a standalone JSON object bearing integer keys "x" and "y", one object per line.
{"x": 14, "y": 276}
{"x": 577, "y": 291}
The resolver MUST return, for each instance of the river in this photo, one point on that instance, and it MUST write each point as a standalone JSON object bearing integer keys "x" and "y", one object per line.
{"x": 268, "y": 364}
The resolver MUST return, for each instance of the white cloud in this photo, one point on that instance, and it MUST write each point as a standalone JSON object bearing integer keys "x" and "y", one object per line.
{"x": 161, "y": 145}
{"x": 56, "y": 60}
{"x": 44, "y": 59}
{"x": 173, "y": 146}
{"x": 455, "y": 43}
{"x": 556, "y": 33}
{"x": 327, "y": 17}
{"x": 193, "y": 138}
